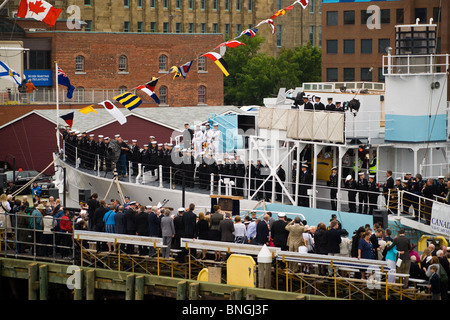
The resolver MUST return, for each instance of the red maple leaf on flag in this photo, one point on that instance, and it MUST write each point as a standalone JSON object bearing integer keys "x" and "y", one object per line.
{"x": 36, "y": 7}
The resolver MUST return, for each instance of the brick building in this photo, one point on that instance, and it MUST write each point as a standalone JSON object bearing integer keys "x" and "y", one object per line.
{"x": 122, "y": 61}
{"x": 227, "y": 17}
{"x": 351, "y": 45}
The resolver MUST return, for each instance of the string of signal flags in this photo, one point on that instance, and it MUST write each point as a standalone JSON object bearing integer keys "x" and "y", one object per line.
{"x": 132, "y": 101}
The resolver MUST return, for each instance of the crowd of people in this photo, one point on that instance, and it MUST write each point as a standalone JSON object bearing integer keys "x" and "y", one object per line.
{"x": 50, "y": 226}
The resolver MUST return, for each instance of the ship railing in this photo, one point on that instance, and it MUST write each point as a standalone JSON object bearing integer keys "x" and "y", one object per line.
{"x": 415, "y": 64}
{"x": 400, "y": 201}
{"x": 365, "y": 124}
{"x": 430, "y": 169}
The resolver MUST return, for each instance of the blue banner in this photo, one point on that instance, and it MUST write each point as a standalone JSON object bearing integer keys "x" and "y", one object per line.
{"x": 40, "y": 78}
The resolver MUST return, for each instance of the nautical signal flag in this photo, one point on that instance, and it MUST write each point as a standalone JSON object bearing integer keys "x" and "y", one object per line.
{"x": 249, "y": 32}
{"x": 219, "y": 61}
{"x": 304, "y": 3}
{"x": 87, "y": 109}
{"x": 147, "y": 90}
{"x": 269, "y": 21}
{"x": 114, "y": 111}
{"x": 175, "y": 70}
{"x": 68, "y": 118}
{"x": 64, "y": 80}
{"x": 38, "y": 10}
{"x": 184, "y": 69}
{"x": 281, "y": 12}
{"x": 128, "y": 100}
{"x": 231, "y": 44}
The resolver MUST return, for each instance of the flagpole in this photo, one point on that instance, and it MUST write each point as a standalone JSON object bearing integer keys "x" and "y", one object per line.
{"x": 57, "y": 107}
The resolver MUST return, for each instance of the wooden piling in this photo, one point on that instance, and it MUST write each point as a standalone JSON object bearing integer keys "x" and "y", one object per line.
{"x": 78, "y": 292}
{"x": 43, "y": 282}
{"x": 194, "y": 291}
{"x": 265, "y": 275}
{"x": 33, "y": 281}
{"x": 129, "y": 292}
{"x": 181, "y": 290}
{"x": 236, "y": 294}
{"x": 90, "y": 285}
{"x": 140, "y": 287}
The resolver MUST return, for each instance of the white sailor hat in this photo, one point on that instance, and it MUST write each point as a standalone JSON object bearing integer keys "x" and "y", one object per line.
{"x": 100, "y": 136}
{"x": 180, "y": 209}
{"x": 318, "y": 97}
{"x": 170, "y": 144}
{"x": 77, "y": 132}
{"x": 148, "y": 207}
{"x": 404, "y": 181}
{"x": 305, "y": 97}
{"x": 338, "y": 102}
{"x": 361, "y": 173}
{"x": 154, "y": 142}
{"x": 372, "y": 176}
{"x": 92, "y": 135}
{"x": 152, "y": 137}
{"x": 145, "y": 145}
{"x": 216, "y": 124}
{"x": 79, "y": 135}
{"x": 304, "y": 165}
{"x": 398, "y": 178}
{"x": 107, "y": 138}
{"x": 133, "y": 140}
{"x": 348, "y": 177}
{"x": 408, "y": 174}
{"x": 160, "y": 144}
{"x": 282, "y": 214}
{"x": 132, "y": 203}
{"x": 117, "y": 135}
{"x": 334, "y": 168}
{"x": 441, "y": 177}
{"x": 186, "y": 123}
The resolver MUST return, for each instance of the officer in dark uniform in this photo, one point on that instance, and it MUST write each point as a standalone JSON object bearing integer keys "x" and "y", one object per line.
{"x": 240, "y": 176}
{"x": 307, "y": 104}
{"x": 363, "y": 187}
{"x": 230, "y": 169}
{"x": 373, "y": 193}
{"x": 333, "y": 184}
{"x": 153, "y": 148}
{"x": 166, "y": 161}
{"x": 101, "y": 150}
{"x": 350, "y": 185}
{"x": 388, "y": 184}
{"x": 330, "y": 106}
{"x": 282, "y": 175}
{"x": 135, "y": 156}
{"x": 91, "y": 152}
{"x": 188, "y": 166}
{"x": 145, "y": 158}
{"x": 259, "y": 180}
{"x": 339, "y": 107}
{"x": 305, "y": 184}
{"x": 318, "y": 105}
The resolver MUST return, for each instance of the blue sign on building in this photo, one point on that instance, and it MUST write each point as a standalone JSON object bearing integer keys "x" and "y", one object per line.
{"x": 40, "y": 78}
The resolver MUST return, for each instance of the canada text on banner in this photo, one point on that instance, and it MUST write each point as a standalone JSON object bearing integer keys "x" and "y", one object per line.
{"x": 440, "y": 219}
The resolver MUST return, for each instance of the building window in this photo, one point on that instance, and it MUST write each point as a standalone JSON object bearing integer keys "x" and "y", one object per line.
{"x": 123, "y": 63}
{"x": 238, "y": 29}
{"x": 152, "y": 3}
{"x": 202, "y": 64}
{"x": 140, "y": 26}
{"x": 366, "y": 74}
{"x": 163, "y": 94}
{"x": 215, "y": 28}
{"x": 227, "y": 4}
{"x": 88, "y": 26}
{"x": 279, "y": 4}
{"x": 349, "y": 46}
{"x": 381, "y": 77}
{"x": 79, "y": 64}
{"x": 178, "y": 4}
{"x": 203, "y": 27}
{"x": 385, "y": 16}
{"x": 165, "y": 27}
{"x": 191, "y": 27}
{"x": 365, "y": 16}
{"x": 202, "y": 4}
{"x": 349, "y": 74}
{"x": 191, "y": 4}
{"x": 279, "y": 35}
{"x": 238, "y": 5}
{"x": 420, "y": 13}
{"x": 250, "y": 5}
{"x": 162, "y": 63}
{"x": 139, "y": 3}
{"x": 320, "y": 36}
{"x": 399, "y": 16}
{"x": 88, "y": 2}
{"x": 126, "y": 26}
{"x": 311, "y": 6}
{"x": 349, "y": 17}
{"x": 126, "y": 3}
{"x": 178, "y": 27}
{"x": 383, "y": 44}
{"x": 311, "y": 35}
{"x": 214, "y": 4}
{"x": 332, "y": 18}
{"x": 152, "y": 26}
{"x": 332, "y": 46}
{"x": 332, "y": 74}
{"x": 166, "y": 4}
{"x": 227, "y": 29}
{"x": 202, "y": 94}
{"x": 366, "y": 45}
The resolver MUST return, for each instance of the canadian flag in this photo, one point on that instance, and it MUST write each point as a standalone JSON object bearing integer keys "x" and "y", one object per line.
{"x": 39, "y": 10}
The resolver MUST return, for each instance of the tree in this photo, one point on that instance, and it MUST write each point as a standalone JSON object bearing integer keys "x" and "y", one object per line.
{"x": 255, "y": 76}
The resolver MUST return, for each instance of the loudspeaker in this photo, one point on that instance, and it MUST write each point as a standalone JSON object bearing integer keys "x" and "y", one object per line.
{"x": 3, "y": 182}
{"x": 380, "y": 216}
{"x": 53, "y": 192}
{"x": 83, "y": 195}
{"x": 247, "y": 124}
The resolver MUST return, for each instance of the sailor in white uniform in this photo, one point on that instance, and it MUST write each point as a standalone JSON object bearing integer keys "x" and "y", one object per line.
{"x": 198, "y": 140}
{"x": 215, "y": 140}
